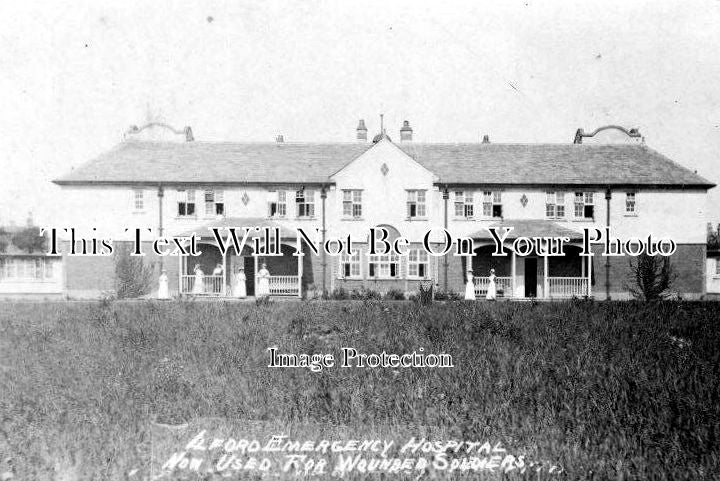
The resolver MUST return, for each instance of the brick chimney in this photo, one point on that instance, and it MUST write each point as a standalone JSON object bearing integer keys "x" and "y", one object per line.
{"x": 406, "y": 132}
{"x": 361, "y": 131}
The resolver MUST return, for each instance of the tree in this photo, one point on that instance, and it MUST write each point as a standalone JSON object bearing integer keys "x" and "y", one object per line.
{"x": 132, "y": 277}
{"x": 29, "y": 239}
{"x": 651, "y": 277}
{"x": 713, "y": 237}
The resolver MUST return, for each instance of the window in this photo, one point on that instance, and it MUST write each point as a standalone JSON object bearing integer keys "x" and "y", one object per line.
{"x": 492, "y": 204}
{"x": 214, "y": 204}
{"x": 555, "y": 205}
{"x": 305, "y": 203}
{"x": 278, "y": 207}
{"x": 385, "y": 266}
{"x": 350, "y": 265}
{"x": 26, "y": 268}
{"x": 717, "y": 267}
{"x": 186, "y": 203}
{"x": 139, "y": 200}
{"x": 584, "y": 206}
{"x": 418, "y": 264}
{"x": 416, "y": 204}
{"x": 464, "y": 204}
{"x": 630, "y": 205}
{"x": 352, "y": 203}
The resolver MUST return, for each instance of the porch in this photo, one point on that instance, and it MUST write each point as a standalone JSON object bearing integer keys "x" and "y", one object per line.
{"x": 535, "y": 275}
{"x": 218, "y": 270}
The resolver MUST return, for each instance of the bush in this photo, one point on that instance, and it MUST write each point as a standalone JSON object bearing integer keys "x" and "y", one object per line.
{"x": 29, "y": 239}
{"x": 651, "y": 277}
{"x": 338, "y": 294}
{"x": 365, "y": 294}
{"x": 132, "y": 277}
{"x": 394, "y": 295}
{"x": 424, "y": 295}
{"x": 447, "y": 296}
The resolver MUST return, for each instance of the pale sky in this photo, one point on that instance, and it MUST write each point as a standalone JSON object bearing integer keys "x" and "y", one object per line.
{"x": 75, "y": 75}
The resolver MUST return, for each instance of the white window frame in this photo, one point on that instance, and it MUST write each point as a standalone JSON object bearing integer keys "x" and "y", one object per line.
{"x": 418, "y": 259}
{"x": 186, "y": 198}
{"x": 464, "y": 204}
{"x": 348, "y": 264}
{"x": 631, "y": 203}
{"x": 214, "y": 198}
{"x": 417, "y": 201}
{"x": 305, "y": 204}
{"x": 491, "y": 199}
{"x": 581, "y": 201}
{"x": 280, "y": 204}
{"x": 26, "y": 269}
{"x": 352, "y": 204}
{"x": 139, "y": 200}
{"x": 380, "y": 266}
{"x": 555, "y": 205}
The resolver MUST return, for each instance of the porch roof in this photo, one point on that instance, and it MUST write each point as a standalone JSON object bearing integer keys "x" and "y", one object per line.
{"x": 530, "y": 228}
{"x": 239, "y": 223}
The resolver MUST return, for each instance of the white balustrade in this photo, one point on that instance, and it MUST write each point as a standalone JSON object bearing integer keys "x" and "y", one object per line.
{"x": 566, "y": 287}
{"x": 503, "y": 286}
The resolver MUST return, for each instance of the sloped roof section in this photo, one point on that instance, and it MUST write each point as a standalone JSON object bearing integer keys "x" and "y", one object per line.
{"x": 552, "y": 164}
{"x": 216, "y": 162}
{"x": 528, "y": 228}
{"x": 488, "y": 164}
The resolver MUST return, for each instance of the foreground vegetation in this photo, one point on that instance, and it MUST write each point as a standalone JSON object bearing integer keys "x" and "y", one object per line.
{"x": 606, "y": 390}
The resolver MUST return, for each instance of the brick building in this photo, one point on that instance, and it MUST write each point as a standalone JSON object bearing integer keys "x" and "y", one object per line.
{"x": 164, "y": 180}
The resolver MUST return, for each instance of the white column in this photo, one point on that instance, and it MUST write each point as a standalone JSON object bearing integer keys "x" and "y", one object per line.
{"x": 514, "y": 273}
{"x": 255, "y": 282}
{"x": 180, "y": 273}
{"x": 300, "y": 270}
{"x": 546, "y": 292}
{"x": 224, "y": 275}
{"x": 589, "y": 276}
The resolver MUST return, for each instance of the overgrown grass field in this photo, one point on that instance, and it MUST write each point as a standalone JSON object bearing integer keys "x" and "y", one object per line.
{"x": 609, "y": 390}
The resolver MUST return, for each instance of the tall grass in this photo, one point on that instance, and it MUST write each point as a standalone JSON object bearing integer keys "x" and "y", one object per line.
{"x": 607, "y": 390}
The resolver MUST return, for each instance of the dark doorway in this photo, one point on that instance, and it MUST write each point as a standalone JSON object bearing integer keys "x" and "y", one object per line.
{"x": 249, "y": 275}
{"x": 531, "y": 277}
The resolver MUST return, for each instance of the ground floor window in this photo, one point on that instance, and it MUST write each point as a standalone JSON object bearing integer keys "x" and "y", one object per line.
{"x": 384, "y": 266}
{"x": 26, "y": 268}
{"x": 350, "y": 265}
{"x": 418, "y": 264}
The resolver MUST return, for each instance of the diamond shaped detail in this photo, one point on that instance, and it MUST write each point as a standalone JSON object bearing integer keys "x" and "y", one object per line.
{"x": 524, "y": 200}
{"x": 384, "y": 169}
{"x": 245, "y": 198}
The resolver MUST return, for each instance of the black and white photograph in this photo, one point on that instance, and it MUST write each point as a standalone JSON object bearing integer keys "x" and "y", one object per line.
{"x": 315, "y": 240}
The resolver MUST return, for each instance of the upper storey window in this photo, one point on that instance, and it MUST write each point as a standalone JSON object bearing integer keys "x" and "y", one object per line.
{"x": 139, "y": 200}
{"x": 214, "y": 203}
{"x": 492, "y": 204}
{"x": 186, "y": 203}
{"x": 630, "y": 203}
{"x": 584, "y": 205}
{"x": 416, "y": 204}
{"x": 278, "y": 207}
{"x": 305, "y": 203}
{"x": 555, "y": 205}
{"x": 352, "y": 204}
{"x": 464, "y": 208}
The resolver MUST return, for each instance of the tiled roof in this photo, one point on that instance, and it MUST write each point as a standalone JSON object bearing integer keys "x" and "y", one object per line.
{"x": 551, "y": 164}
{"x": 225, "y": 162}
{"x": 195, "y": 162}
{"x": 529, "y": 228}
